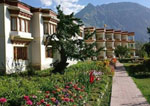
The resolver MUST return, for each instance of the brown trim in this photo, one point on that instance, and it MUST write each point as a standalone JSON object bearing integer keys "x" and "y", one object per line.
{"x": 20, "y": 53}
{"x": 18, "y": 12}
{"x": 16, "y": 23}
{"x": 44, "y": 27}
{"x": 89, "y": 40}
{"x": 100, "y": 40}
{"x": 25, "y": 26}
{"x": 20, "y": 28}
{"x": 131, "y": 34}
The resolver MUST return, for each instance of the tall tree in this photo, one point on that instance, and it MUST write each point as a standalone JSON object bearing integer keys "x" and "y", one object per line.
{"x": 148, "y": 31}
{"x": 121, "y": 51}
{"x": 67, "y": 43}
{"x": 146, "y": 48}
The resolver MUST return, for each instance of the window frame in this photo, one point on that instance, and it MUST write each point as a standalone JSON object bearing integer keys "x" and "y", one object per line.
{"x": 44, "y": 28}
{"x": 13, "y": 17}
{"x": 20, "y": 53}
{"x": 47, "y": 55}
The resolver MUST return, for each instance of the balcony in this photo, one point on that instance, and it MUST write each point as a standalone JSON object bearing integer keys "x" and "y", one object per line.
{"x": 100, "y": 39}
{"x": 16, "y": 36}
{"x": 117, "y": 39}
{"x": 124, "y": 40}
{"x": 110, "y": 39}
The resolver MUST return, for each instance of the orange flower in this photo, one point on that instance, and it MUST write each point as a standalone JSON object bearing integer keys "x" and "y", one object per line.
{"x": 53, "y": 99}
{"x": 58, "y": 90}
{"x": 80, "y": 97}
{"x": 62, "y": 98}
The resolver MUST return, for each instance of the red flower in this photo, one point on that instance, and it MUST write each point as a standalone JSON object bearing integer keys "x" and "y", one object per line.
{"x": 75, "y": 86}
{"x": 71, "y": 100}
{"x": 91, "y": 77}
{"x": 3, "y": 100}
{"x": 46, "y": 96}
{"x": 80, "y": 97}
{"x": 29, "y": 102}
{"x": 47, "y": 92}
{"x": 66, "y": 99}
{"x": 53, "y": 92}
{"x": 42, "y": 101}
{"x": 26, "y": 98}
{"x": 48, "y": 105}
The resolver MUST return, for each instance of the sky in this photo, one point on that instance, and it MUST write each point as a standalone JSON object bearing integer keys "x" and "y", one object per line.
{"x": 69, "y": 6}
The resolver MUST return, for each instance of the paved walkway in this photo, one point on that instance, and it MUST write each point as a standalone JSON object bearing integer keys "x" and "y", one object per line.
{"x": 124, "y": 90}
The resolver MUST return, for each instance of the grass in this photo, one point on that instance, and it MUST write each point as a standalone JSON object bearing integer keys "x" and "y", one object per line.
{"x": 142, "y": 81}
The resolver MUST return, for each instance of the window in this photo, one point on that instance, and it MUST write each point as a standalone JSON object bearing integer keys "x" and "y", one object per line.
{"x": 20, "y": 53}
{"x": 54, "y": 28}
{"x": 49, "y": 52}
{"x": 14, "y": 23}
{"x": 24, "y": 25}
{"x": 27, "y": 29}
{"x": 45, "y": 28}
{"x": 50, "y": 28}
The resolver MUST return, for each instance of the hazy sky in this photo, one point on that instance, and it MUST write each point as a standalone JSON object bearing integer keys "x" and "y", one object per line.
{"x": 76, "y": 5}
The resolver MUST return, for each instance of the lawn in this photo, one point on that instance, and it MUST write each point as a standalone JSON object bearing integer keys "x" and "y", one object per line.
{"x": 141, "y": 79}
{"x": 76, "y": 87}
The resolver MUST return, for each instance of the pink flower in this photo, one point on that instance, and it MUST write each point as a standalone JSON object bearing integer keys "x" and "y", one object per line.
{"x": 26, "y": 98}
{"x": 67, "y": 87}
{"x": 34, "y": 97}
{"x": 29, "y": 102}
{"x": 3, "y": 100}
{"x": 38, "y": 103}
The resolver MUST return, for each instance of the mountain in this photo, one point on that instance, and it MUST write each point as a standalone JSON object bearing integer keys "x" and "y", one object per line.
{"x": 124, "y": 16}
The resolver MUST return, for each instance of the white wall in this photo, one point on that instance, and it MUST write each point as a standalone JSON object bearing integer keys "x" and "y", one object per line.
{"x": 35, "y": 30}
{"x": 2, "y": 38}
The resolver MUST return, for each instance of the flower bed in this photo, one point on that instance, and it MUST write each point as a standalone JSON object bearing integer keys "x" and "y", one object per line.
{"x": 82, "y": 84}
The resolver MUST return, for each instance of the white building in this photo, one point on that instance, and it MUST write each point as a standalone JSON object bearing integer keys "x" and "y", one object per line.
{"x": 109, "y": 39}
{"x": 23, "y": 30}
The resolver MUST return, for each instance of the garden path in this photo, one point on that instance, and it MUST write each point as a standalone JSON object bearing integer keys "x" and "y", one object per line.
{"x": 124, "y": 90}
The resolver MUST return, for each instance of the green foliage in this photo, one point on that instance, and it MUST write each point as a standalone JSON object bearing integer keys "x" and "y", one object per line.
{"x": 15, "y": 87}
{"x": 148, "y": 31}
{"x": 142, "y": 81}
{"x": 121, "y": 51}
{"x": 146, "y": 48}
{"x": 66, "y": 41}
{"x": 139, "y": 70}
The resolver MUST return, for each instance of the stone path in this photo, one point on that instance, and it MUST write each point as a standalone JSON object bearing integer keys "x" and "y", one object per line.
{"x": 124, "y": 90}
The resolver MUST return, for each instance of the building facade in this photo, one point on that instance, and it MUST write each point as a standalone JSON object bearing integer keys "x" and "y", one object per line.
{"x": 109, "y": 39}
{"x": 23, "y": 31}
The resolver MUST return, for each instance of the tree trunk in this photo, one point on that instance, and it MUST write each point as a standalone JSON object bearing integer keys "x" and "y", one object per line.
{"x": 61, "y": 66}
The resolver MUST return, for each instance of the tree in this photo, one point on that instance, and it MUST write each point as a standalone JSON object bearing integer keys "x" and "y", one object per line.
{"x": 121, "y": 51}
{"x": 146, "y": 48}
{"x": 66, "y": 41}
{"x": 148, "y": 31}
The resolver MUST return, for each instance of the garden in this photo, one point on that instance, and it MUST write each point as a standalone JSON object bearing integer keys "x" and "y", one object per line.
{"x": 84, "y": 84}
{"x": 140, "y": 73}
